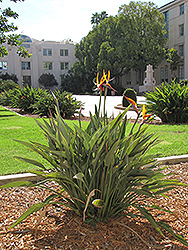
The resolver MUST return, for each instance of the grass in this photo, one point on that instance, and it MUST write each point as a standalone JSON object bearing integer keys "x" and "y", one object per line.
{"x": 174, "y": 140}
{"x": 20, "y": 128}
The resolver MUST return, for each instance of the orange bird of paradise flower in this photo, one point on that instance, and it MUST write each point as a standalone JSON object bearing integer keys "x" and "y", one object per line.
{"x": 133, "y": 103}
{"x": 102, "y": 80}
{"x": 144, "y": 115}
{"x": 107, "y": 80}
{"x": 99, "y": 84}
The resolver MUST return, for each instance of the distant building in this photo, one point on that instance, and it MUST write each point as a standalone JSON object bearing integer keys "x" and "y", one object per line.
{"x": 176, "y": 18}
{"x": 47, "y": 57}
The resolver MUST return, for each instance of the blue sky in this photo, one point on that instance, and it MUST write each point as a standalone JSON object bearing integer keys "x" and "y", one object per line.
{"x": 61, "y": 19}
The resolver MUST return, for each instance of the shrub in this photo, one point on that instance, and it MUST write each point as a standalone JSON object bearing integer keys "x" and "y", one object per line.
{"x": 5, "y": 85}
{"x": 104, "y": 170}
{"x": 7, "y": 97}
{"x": 169, "y": 102}
{"x": 68, "y": 105}
{"x": 130, "y": 93}
{"x": 43, "y": 103}
{"x": 184, "y": 82}
{"x": 7, "y": 76}
{"x": 47, "y": 80}
{"x": 24, "y": 98}
{"x": 39, "y": 101}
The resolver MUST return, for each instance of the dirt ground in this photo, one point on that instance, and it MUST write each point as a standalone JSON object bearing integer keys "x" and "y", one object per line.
{"x": 62, "y": 229}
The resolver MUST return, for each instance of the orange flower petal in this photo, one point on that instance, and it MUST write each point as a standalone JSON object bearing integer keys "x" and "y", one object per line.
{"x": 133, "y": 103}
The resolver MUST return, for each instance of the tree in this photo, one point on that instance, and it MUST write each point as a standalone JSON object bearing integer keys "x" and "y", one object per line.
{"x": 47, "y": 80}
{"x": 131, "y": 40}
{"x": 173, "y": 59}
{"x": 100, "y": 49}
{"x": 6, "y": 28}
{"x": 97, "y": 18}
{"x": 145, "y": 30}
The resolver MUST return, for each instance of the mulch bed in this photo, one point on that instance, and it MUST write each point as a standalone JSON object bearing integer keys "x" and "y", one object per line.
{"x": 60, "y": 228}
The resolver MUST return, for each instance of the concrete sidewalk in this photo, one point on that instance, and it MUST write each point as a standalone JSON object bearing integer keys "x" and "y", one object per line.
{"x": 111, "y": 101}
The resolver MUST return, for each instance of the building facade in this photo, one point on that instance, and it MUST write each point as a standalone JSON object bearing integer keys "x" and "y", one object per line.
{"x": 47, "y": 57}
{"x": 176, "y": 19}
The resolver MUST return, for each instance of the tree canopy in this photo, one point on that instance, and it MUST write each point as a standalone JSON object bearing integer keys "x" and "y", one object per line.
{"x": 97, "y": 18}
{"x": 132, "y": 39}
{"x": 6, "y": 29}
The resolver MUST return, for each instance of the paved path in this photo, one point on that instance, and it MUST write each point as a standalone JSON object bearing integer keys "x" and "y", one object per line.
{"x": 111, "y": 101}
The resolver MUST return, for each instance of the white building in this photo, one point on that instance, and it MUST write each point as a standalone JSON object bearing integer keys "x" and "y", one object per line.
{"x": 47, "y": 57}
{"x": 176, "y": 18}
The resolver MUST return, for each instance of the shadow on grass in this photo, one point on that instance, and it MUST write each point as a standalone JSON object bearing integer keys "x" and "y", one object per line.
{"x": 1, "y": 116}
{"x": 6, "y": 113}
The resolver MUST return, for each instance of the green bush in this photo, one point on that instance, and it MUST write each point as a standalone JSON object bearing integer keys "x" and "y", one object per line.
{"x": 7, "y": 97}
{"x": 39, "y": 101}
{"x": 8, "y": 76}
{"x": 24, "y": 98}
{"x": 47, "y": 80}
{"x": 68, "y": 105}
{"x": 130, "y": 93}
{"x": 184, "y": 82}
{"x": 43, "y": 103}
{"x": 169, "y": 102}
{"x": 5, "y": 85}
{"x": 104, "y": 170}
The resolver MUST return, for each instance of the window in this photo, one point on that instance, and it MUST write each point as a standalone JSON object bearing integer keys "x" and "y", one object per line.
{"x": 47, "y": 52}
{"x": 166, "y": 20}
{"x": 61, "y": 52}
{"x": 166, "y": 73}
{"x": 64, "y": 65}
{"x": 48, "y": 65}
{"x": 129, "y": 78}
{"x": 3, "y": 65}
{"x": 162, "y": 74}
{"x": 26, "y": 80}
{"x": 64, "y": 52}
{"x": 181, "y": 72}
{"x": 26, "y": 65}
{"x": 181, "y": 9}
{"x": 181, "y": 50}
{"x": 181, "y": 30}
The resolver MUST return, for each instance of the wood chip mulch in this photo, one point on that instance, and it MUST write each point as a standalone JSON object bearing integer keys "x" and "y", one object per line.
{"x": 60, "y": 228}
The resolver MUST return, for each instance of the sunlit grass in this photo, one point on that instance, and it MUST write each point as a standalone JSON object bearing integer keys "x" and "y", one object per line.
{"x": 174, "y": 140}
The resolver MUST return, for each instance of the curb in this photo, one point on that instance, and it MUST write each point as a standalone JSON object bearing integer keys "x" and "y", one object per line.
{"x": 33, "y": 178}
{"x": 19, "y": 177}
{"x": 173, "y": 159}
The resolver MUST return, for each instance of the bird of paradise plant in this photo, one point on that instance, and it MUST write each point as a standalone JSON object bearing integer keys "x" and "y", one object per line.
{"x": 104, "y": 82}
{"x": 104, "y": 169}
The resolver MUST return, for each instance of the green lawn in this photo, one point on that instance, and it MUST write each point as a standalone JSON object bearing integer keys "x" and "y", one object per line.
{"x": 174, "y": 140}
